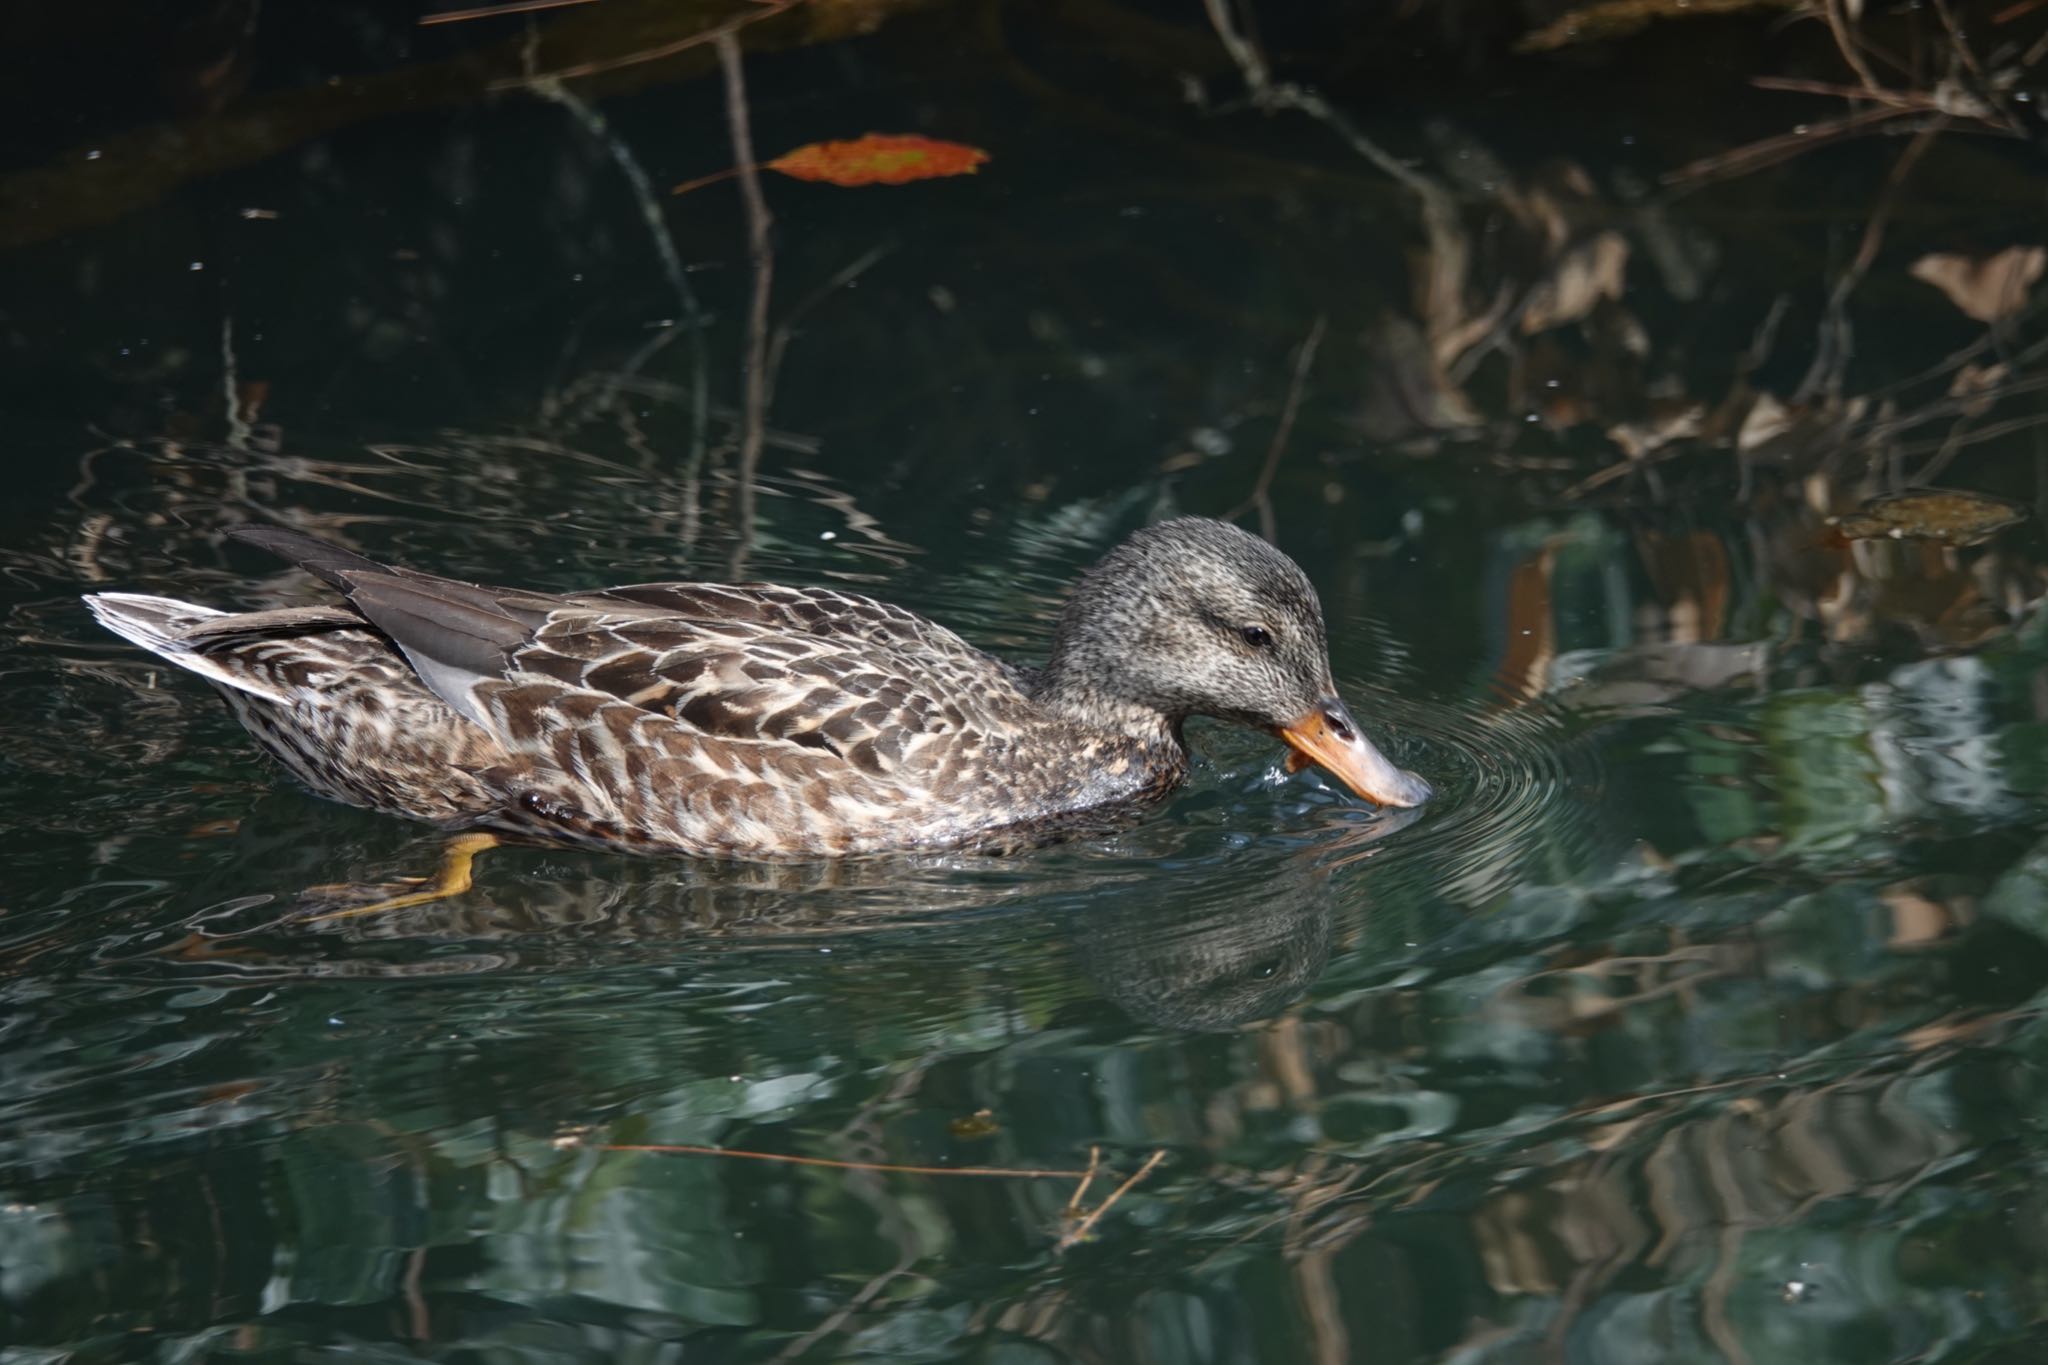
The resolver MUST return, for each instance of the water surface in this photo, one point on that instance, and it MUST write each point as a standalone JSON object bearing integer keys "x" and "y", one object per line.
{"x": 1696, "y": 1019}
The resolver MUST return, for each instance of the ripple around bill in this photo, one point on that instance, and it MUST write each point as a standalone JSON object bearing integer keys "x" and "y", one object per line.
{"x": 1514, "y": 786}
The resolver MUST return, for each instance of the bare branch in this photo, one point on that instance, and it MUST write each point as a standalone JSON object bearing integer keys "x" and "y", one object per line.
{"x": 1838, "y": 24}
{"x": 754, "y": 372}
{"x": 1262, "y": 490}
{"x": 457, "y": 16}
{"x": 1079, "y": 1232}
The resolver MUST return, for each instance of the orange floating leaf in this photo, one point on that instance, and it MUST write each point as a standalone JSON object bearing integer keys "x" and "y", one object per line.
{"x": 879, "y": 159}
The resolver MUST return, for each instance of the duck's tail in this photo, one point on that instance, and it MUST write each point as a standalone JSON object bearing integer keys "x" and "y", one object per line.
{"x": 166, "y": 628}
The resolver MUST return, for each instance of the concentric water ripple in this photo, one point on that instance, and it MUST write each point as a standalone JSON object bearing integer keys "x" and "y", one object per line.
{"x": 1512, "y": 782}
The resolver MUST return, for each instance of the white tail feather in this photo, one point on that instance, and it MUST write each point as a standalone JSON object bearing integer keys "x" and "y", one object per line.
{"x": 159, "y": 624}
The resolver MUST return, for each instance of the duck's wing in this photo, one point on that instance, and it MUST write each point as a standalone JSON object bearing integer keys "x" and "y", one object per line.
{"x": 830, "y": 674}
{"x": 829, "y": 677}
{"x": 724, "y": 731}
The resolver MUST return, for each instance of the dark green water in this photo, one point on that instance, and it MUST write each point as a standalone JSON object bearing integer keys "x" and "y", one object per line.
{"x": 1699, "y": 1019}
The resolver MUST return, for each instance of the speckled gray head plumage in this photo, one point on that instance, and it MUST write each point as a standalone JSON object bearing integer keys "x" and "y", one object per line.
{"x": 1194, "y": 617}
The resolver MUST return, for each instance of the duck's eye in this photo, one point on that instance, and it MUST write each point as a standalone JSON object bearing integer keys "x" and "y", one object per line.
{"x": 1258, "y": 637}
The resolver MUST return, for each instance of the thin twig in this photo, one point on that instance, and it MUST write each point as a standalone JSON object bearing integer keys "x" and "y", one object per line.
{"x": 2034, "y": 53}
{"x": 691, "y": 319}
{"x": 550, "y": 88}
{"x": 1087, "y": 1179}
{"x": 421, "y": 1319}
{"x": 1982, "y": 106}
{"x": 691, "y": 1149}
{"x": 1079, "y": 1232}
{"x": 1449, "y": 253}
{"x": 715, "y": 178}
{"x": 1832, "y": 350}
{"x": 1251, "y": 63}
{"x": 1262, "y": 490}
{"x": 1838, "y": 24}
{"x": 1754, "y": 156}
{"x": 655, "y": 54}
{"x": 1985, "y": 91}
{"x": 1269, "y": 94}
{"x": 1873, "y": 231}
{"x": 1799, "y": 85}
{"x": 238, "y": 423}
{"x": 1955, "y": 360}
{"x": 1467, "y": 348}
{"x": 1954, "y": 405}
{"x": 754, "y": 375}
{"x": 456, "y": 16}
{"x": 1752, "y": 360}
{"x": 1958, "y": 438}
{"x": 1951, "y": 446}
{"x": 861, "y": 1299}
{"x": 779, "y": 339}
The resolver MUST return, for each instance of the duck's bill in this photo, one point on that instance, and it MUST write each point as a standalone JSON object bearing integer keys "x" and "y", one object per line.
{"x": 1330, "y": 739}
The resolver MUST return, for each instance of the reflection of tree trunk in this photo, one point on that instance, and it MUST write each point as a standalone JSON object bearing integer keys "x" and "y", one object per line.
{"x": 1714, "y": 1296}
{"x": 1532, "y": 629}
{"x": 1329, "y": 1344}
{"x": 1689, "y": 574}
{"x": 419, "y": 1320}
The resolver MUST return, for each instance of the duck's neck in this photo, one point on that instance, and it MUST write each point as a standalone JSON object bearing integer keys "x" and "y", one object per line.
{"x": 1069, "y": 692}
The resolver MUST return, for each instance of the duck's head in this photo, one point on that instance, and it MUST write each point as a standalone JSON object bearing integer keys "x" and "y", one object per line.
{"x": 1194, "y": 617}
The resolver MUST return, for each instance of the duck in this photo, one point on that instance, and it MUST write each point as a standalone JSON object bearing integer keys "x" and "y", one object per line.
{"x": 759, "y": 721}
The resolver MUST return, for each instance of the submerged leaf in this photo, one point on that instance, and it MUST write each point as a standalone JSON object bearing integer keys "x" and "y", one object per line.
{"x": 879, "y": 159}
{"x": 1986, "y": 288}
{"x": 980, "y": 1124}
{"x": 1767, "y": 419}
{"x": 1949, "y": 516}
{"x": 1584, "y": 276}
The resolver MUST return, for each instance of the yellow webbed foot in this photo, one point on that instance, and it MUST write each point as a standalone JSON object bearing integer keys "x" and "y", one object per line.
{"x": 453, "y": 878}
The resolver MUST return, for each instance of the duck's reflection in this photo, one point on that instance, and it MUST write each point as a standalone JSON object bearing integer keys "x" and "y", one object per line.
{"x": 1235, "y": 952}
{"x": 1234, "y": 941}
{"x": 1213, "y": 967}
